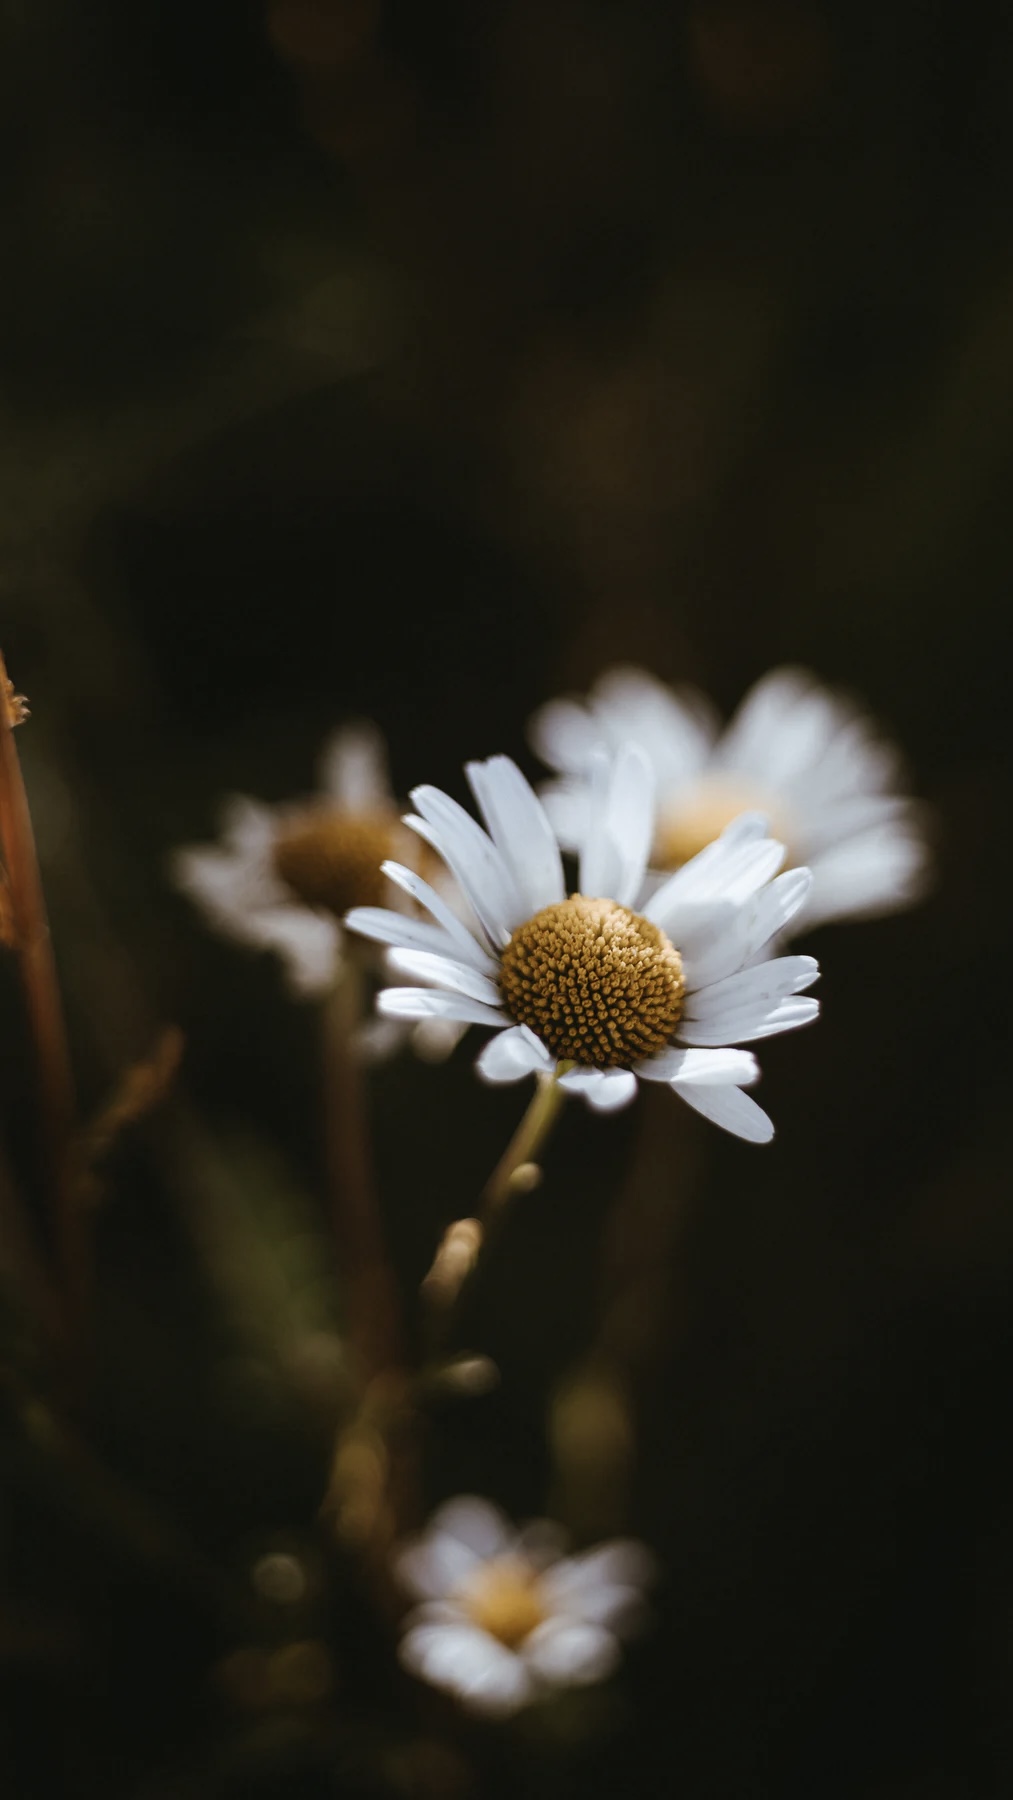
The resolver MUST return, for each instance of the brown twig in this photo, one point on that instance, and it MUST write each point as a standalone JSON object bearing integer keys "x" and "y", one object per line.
{"x": 372, "y": 1488}
{"x": 143, "y": 1087}
{"x": 29, "y": 930}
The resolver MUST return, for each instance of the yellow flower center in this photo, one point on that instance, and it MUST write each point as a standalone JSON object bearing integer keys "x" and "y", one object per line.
{"x": 693, "y": 820}
{"x": 597, "y": 983}
{"x": 503, "y": 1598}
{"x": 332, "y": 859}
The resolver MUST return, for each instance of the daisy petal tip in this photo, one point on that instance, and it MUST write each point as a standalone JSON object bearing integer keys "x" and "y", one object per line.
{"x": 747, "y": 826}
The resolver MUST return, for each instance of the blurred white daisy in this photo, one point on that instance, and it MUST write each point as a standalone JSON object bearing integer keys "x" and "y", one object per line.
{"x": 604, "y": 986}
{"x": 805, "y": 757}
{"x": 281, "y": 877}
{"x": 505, "y": 1617}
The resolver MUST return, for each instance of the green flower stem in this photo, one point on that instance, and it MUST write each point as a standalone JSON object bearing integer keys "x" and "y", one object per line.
{"x": 526, "y": 1142}
{"x": 462, "y": 1242}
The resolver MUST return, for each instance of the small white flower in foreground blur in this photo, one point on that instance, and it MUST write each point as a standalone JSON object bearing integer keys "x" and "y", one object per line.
{"x": 505, "y": 1618}
{"x": 614, "y": 982}
{"x": 281, "y": 877}
{"x": 805, "y": 757}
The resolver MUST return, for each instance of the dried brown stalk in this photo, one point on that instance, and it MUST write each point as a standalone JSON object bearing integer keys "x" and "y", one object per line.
{"x": 28, "y": 928}
{"x": 373, "y": 1304}
{"x": 140, "y": 1090}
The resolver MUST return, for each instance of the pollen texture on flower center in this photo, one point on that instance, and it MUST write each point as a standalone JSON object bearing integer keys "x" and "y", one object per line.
{"x": 332, "y": 859}
{"x": 597, "y": 983}
{"x": 502, "y": 1598}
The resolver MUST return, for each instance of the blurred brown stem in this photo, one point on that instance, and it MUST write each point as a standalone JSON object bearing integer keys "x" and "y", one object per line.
{"x": 372, "y": 1298}
{"x": 33, "y": 945}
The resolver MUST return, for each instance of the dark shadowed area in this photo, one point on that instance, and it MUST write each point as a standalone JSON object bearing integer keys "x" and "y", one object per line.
{"x": 369, "y": 358}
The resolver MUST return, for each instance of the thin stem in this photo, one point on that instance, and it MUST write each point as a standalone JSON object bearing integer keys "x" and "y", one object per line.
{"x": 374, "y": 1311}
{"x": 30, "y": 930}
{"x": 524, "y": 1146}
{"x": 594, "y": 1414}
{"x": 461, "y": 1244}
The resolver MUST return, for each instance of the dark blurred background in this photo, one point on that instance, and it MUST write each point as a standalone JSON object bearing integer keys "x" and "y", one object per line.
{"x": 418, "y": 361}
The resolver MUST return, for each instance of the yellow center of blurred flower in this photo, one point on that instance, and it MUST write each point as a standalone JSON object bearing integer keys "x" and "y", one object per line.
{"x": 597, "y": 983}
{"x": 694, "y": 819}
{"x": 332, "y": 859}
{"x": 503, "y": 1599}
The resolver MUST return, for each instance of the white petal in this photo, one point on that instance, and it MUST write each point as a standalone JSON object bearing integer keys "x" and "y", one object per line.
{"x": 436, "y": 1612}
{"x": 433, "y": 1040}
{"x": 704, "y": 1068}
{"x": 614, "y": 853}
{"x": 736, "y": 935}
{"x": 676, "y": 728}
{"x": 227, "y": 883}
{"x": 377, "y": 1040}
{"x": 434, "y": 1565}
{"x": 728, "y": 871}
{"x": 768, "y": 982}
{"x": 825, "y": 824}
{"x": 475, "y": 1522}
{"x": 616, "y": 1089}
{"x": 485, "y": 1677}
{"x": 631, "y": 820}
{"x": 752, "y": 1021}
{"x": 730, "y": 1108}
{"x": 468, "y": 949}
{"x": 570, "y": 1653}
{"x": 567, "y": 805}
{"x": 565, "y": 736}
{"x": 353, "y": 768}
{"x": 542, "y": 1542}
{"x": 445, "y": 972}
{"x": 511, "y": 1055}
{"x": 462, "y": 1533}
{"x": 878, "y": 873}
{"x": 405, "y": 933}
{"x": 598, "y": 1582}
{"x": 773, "y": 908}
{"x": 474, "y": 859}
{"x": 520, "y": 829}
{"x": 599, "y": 869}
{"x": 815, "y": 743}
{"x": 308, "y": 943}
{"x": 604, "y": 1089}
{"x": 622, "y": 1610}
{"x": 249, "y": 826}
{"x": 746, "y": 870}
{"x": 783, "y": 723}
{"x": 425, "y": 1003}
{"x": 217, "y": 883}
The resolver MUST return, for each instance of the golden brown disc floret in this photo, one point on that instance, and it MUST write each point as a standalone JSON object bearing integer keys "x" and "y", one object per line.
{"x": 502, "y": 1597}
{"x": 600, "y": 985}
{"x": 332, "y": 859}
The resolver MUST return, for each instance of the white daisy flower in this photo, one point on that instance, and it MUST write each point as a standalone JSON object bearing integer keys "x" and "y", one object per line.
{"x": 613, "y": 983}
{"x": 505, "y": 1618}
{"x": 281, "y": 877}
{"x": 805, "y": 757}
